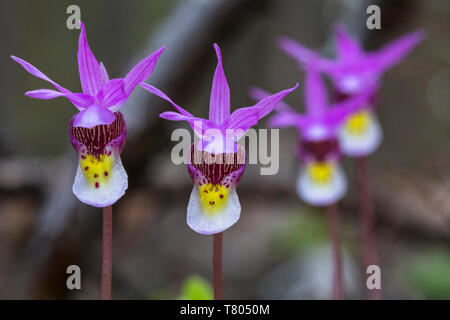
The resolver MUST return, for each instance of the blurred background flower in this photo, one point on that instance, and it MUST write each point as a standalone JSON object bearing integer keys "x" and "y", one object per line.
{"x": 279, "y": 248}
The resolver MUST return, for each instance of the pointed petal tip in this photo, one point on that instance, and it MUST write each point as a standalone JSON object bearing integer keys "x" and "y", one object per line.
{"x": 342, "y": 32}
{"x": 165, "y": 115}
{"x": 218, "y": 52}
{"x": 253, "y": 91}
{"x": 286, "y": 43}
{"x": 414, "y": 37}
{"x": 159, "y": 51}
{"x": 281, "y": 40}
{"x": 18, "y": 60}
{"x": 340, "y": 27}
{"x": 419, "y": 34}
{"x": 29, "y": 94}
{"x": 82, "y": 32}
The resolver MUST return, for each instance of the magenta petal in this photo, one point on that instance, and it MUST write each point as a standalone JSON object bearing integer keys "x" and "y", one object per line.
{"x": 267, "y": 104}
{"x": 141, "y": 71}
{"x": 288, "y": 119}
{"x": 341, "y": 110}
{"x": 315, "y": 92}
{"x": 296, "y": 51}
{"x": 175, "y": 116}
{"x": 245, "y": 118}
{"x": 347, "y": 47}
{"x": 198, "y": 124}
{"x": 93, "y": 116}
{"x": 259, "y": 94}
{"x": 90, "y": 76}
{"x": 104, "y": 73}
{"x": 112, "y": 94}
{"x": 37, "y": 73}
{"x": 80, "y": 100}
{"x": 302, "y": 54}
{"x": 396, "y": 50}
{"x": 219, "y": 105}
{"x": 44, "y": 94}
{"x": 162, "y": 95}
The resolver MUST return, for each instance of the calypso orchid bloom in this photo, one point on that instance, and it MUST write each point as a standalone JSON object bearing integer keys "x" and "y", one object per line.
{"x": 216, "y": 162}
{"x": 98, "y": 131}
{"x": 352, "y": 72}
{"x": 321, "y": 180}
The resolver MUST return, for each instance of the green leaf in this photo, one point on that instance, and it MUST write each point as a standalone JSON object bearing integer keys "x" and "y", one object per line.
{"x": 196, "y": 288}
{"x": 428, "y": 274}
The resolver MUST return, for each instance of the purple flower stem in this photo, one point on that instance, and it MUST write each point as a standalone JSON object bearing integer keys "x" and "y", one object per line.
{"x": 217, "y": 266}
{"x": 366, "y": 211}
{"x": 107, "y": 253}
{"x": 333, "y": 223}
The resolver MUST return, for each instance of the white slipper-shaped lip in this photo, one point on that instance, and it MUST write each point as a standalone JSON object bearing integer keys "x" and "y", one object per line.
{"x": 214, "y": 204}
{"x": 328, "y": 187}
{"x": 100, "y": 179}
{"x": 366, "y": 140}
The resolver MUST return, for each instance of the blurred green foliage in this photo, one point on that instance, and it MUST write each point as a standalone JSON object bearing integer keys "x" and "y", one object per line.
{"x": 429, "y": 274}
{"x": 196, "y": 288}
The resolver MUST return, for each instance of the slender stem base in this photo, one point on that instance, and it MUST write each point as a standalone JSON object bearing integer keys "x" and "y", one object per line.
{"x": 107, "y": 253}
{"x": 217, "y": 266}
{"x": 366, "y": 212}
{"x": 333, "y": 222}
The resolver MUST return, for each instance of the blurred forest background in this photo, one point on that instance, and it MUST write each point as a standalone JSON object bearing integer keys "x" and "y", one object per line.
{"x": 279, "y": 248}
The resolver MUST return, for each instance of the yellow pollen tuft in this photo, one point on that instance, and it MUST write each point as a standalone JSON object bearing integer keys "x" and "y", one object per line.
{"x": 97, "y": 171}
{"x": 358, "y": 122}
{"x": 213, "y": 197}
{"x": 320, "y": 172}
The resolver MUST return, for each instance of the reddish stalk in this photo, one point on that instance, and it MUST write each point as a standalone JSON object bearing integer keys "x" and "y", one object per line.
{"x": 217, "y": 266}
{"x": 333, "y": 222}
{"x": 366, "y": 209}
{"x": 107, "y": 253}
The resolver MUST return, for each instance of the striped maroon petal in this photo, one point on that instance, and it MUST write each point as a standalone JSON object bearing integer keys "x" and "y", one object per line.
{"x": 101, "y": 139}
{"x": 320, "y": 150}
{"x": 219, "y": 169}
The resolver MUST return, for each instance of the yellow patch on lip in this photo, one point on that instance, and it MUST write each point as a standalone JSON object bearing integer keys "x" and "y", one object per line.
{"x": 320, "y": 172}
{"x": 97, "y": 171}
{"x": 358, "y": 122}
{"x": 213, "y": 198}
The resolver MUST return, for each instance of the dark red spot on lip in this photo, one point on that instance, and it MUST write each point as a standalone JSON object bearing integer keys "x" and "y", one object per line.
{"x": 211, "y": 202}
{"x": 97, "y": 185}
{"x": 86, "y": 168}
{"x": 206, "y": 191}
{"x": 95, "y": 175}
{"x": 83, "y": 157}
{"x": 106, "y": 173}
{"x": 221, "y": 196}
